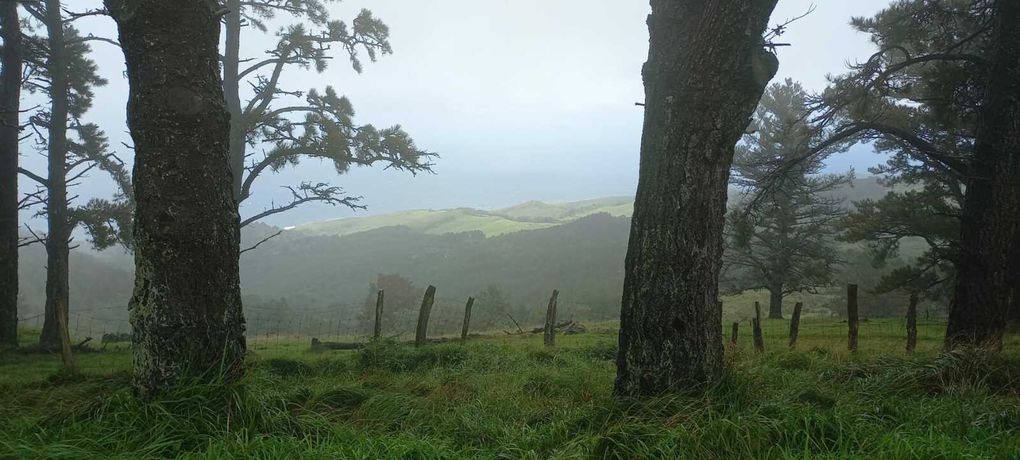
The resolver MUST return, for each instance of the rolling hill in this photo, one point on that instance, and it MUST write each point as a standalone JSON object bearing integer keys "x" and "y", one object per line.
{"x": 531, "y": 215}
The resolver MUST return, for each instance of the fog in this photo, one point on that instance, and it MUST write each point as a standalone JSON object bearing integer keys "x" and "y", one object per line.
{"x": 522, "y": 99}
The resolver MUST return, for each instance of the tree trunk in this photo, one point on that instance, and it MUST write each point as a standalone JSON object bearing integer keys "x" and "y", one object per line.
{"x": 989, "y": 267}
{"x": 776, "y": 302}
{"x": 231, "y": 90}
{"x": 186, "y": 308}
{"x": 733, "y": 333}
{"x": 10, "y": 104}
{"x": 58, "y": 237}
{"x": 705, "y": 73}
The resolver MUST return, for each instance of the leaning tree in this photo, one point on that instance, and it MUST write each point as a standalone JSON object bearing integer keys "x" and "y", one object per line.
{"x": 927, "y": 96}
{"x": 186, "y": 307}
{"x": 707, "y": 68}
{"x": 278, "y": 126}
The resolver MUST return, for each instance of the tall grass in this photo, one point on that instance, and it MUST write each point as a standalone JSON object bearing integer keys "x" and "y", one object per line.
{"x": 512, "y": 398}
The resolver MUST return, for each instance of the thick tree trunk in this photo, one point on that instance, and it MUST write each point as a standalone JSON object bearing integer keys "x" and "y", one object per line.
{"x": 989, "y": 268}
{"x": 58, "y": 237}
{"x": 10, "y": 104}
{"x": 705, "y": 73}
{"x": 186, "y": 308}
{"x": 231, "y": 90}
{"x": 776, "y": 301}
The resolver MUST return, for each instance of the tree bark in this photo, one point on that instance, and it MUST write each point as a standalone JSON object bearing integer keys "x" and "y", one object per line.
{"x": 231, "y": 90}
{"x": 58, "y": 237}
{"x": 776, "y": 301}
{"x": 10, "y": 105}
{"x": 989, "y": 266}
{"x": 186, "y": 308}
{"x": 705, "y": 74}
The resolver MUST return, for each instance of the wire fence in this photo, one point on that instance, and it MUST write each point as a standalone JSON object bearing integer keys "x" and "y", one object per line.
{"x": 103, "y": 340}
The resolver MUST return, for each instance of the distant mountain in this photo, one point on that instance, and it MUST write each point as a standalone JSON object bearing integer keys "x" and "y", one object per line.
{"x": 531, "y": 215}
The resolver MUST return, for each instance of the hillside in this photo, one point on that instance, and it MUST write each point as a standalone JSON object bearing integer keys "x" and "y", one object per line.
{"x": 531, "y": 215}
{"x": 526, "y": 250}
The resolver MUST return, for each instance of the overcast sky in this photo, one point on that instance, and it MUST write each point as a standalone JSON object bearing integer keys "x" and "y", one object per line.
{"x": 523, "y": 99}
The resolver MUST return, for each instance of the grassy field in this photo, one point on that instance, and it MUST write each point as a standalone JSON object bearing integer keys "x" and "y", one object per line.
{"x": 509, "y": 397}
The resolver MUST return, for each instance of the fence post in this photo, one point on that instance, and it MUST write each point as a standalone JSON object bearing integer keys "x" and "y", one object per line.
{"x": 550, "y": 320}
{"x": 851, "y": 316}
{"x": 795, "y": 324}
{"x": 421, "y": 332}
{"x": 759, "y": 341}
{"x": 467, "y": 319}
{"x": 733, "y": 335}
{"x": 377, "y": 333}
{"x": 912, "y": 323}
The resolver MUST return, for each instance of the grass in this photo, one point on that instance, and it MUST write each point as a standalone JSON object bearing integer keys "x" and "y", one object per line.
{"x": 509, "y": 397}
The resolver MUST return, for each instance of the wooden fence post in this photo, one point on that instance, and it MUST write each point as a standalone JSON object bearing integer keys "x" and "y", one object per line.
{"x": 795, "y": 324}
{"x": 377, "y": 334}
{"x": 421, "y": 332}
{"x": 912, "y": 323}
{"x": 733, "y": 335}
{"x": 467, "y": 319}
{"x": 759, "y": 341}
{"x": 550, "y": 320}
{"x": 851, "y": 316}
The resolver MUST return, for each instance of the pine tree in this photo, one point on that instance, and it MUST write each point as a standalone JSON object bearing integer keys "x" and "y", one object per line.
{"x": 186, "y": 308}
{"x": 60, "y": 68}
{"x": 289, "y": 124}
{"x": 924, "y": 97}
{"x": 707, "y": 68}
{"x": 784, "y": 243}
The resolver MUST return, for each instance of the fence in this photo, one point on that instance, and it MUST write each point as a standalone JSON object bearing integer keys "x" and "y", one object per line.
{"x": 345, "y": 324}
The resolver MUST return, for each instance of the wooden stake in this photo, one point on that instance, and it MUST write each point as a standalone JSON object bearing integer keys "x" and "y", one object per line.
{"x": 795, "y": 324}
{"x": 759, "y": 341}
{"x": 912, "y": 323}
{"x": 467, "y": 319}
{"x": 421, "y": 333}
{"x": 550, "y": 320}
{"x": 377, "y": 334}
{"x": 851, "y": 316}
{"x": 733, "y": 335}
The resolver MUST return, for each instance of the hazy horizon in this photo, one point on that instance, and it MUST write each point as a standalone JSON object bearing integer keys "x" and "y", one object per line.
{"x": 529, "y": 100}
